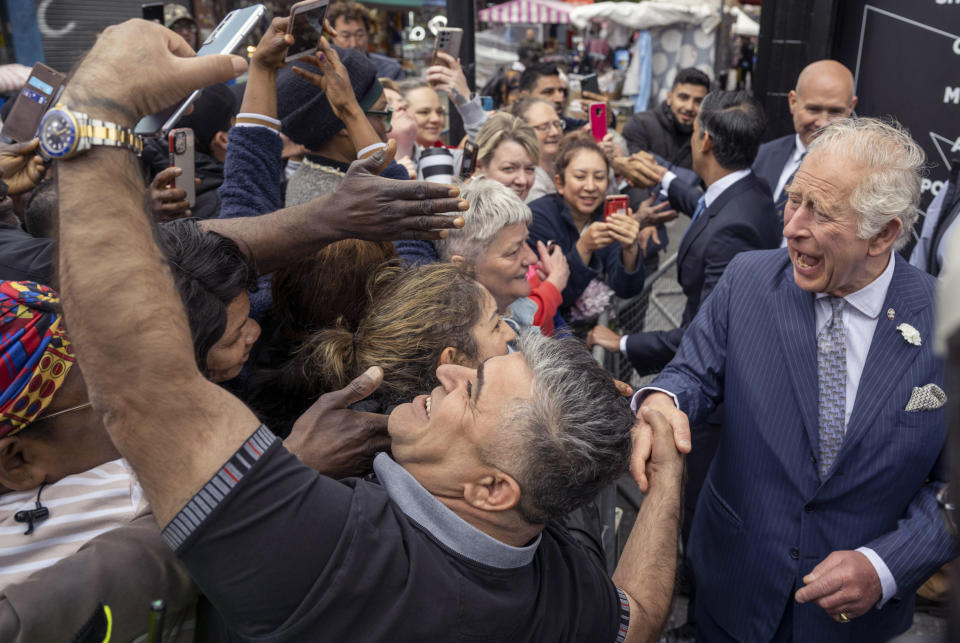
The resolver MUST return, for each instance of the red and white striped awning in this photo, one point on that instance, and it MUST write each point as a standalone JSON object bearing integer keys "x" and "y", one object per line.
{"x": 552, "y": 12}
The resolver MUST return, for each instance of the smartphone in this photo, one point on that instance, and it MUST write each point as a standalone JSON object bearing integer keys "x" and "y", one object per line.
{"x": 41, "y": 90}
{"x": 598, "y": 121}
{"x": 469, "y": 163}
{"x": 448, "y": 41}
{"x": 306, "y": 26}
{"x": 616, "y": 204}
{"x": 152, "y": 11}
{"x": 181, "y": 156}
{"x": 589, "y": 83}
{"x": 223, "y": 40}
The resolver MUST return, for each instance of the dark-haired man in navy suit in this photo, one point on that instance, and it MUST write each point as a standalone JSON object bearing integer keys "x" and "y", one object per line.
{"x": 824, "y": 93}
{"x": 818, "y": 519}
{"x": 734, "y": 214}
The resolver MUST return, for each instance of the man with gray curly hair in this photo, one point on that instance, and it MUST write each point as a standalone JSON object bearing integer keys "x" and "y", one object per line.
{"x": 820, "y": 506}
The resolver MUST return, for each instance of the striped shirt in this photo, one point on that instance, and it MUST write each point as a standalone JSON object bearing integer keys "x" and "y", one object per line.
{"x": 82, "y": 506}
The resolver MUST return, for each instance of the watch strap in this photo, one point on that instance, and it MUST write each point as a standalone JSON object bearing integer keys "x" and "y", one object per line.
{"x": 100, "y": 132}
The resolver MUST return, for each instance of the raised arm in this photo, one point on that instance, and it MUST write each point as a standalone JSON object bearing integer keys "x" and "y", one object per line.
{"x": 139, "y": 363}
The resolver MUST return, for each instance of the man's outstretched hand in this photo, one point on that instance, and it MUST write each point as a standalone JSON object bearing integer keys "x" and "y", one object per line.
{"x": 643, "y": 434}
{"x": 844, "y": 582}
{"x": 110, "y": 83}
{"x": 372, "y": 208}
{"x": 335, "y": 440}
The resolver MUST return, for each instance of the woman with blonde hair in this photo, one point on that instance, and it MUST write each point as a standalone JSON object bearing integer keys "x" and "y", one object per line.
{"x": 508, "y": 152}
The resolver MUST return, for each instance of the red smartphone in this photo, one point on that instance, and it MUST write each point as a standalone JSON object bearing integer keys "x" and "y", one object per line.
{"x": 615, "y": 204}
{"x": 598, "y": 121}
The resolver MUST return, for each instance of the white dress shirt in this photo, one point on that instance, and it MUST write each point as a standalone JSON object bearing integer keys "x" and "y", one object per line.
{"x": 791, "y": 166}
{"x": 860, "y": 314}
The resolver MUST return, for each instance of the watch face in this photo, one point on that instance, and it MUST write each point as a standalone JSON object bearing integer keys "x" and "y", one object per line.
{"x": 58, "y": 133}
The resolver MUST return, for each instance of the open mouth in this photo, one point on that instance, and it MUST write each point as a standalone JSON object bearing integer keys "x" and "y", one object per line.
{"x": 805, "y": 262}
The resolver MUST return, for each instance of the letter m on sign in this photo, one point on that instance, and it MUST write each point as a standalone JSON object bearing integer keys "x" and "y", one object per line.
{"x": 951, "y": 95}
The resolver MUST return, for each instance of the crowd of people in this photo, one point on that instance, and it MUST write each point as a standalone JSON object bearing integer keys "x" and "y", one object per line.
{"x": 333, "y": 399}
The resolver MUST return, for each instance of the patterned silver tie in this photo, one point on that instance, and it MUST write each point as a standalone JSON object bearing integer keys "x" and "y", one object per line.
{"x": 832, "y": 379}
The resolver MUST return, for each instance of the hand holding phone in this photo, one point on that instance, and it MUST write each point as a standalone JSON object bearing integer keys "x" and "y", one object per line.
{"x": 589, "y": 83}
{"x": 469, "y": 162}
{"x": 598, "y": 121}
{"x": 40, "y": 92}
{"x": 615, "y": 204}
{"x": 448, "y": 41}
{"x": 222, "y": 40}
{"x": 306, "y": 27}
{"x": 182, "y": 156}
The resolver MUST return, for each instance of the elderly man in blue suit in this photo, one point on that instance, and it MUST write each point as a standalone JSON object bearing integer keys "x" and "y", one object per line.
{"x": 824, "y": 93}
{"x": 819, "y": 518}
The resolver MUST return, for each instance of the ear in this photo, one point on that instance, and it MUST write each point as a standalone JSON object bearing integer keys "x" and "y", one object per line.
{"x": 881, "y": 243}
{"x": 496, "y": 491}
{"x": 221, "y": 139}
{"x": 669, "y": 97}
{"x": 448, "y": 355}
{"x": 558, "y": 183}
{"x": 20, "y": 469}
{"x": 706, "y": 142}
{"x": 457, "y": 260}
{"x": 853, "y": 103}
{"x": 343, "y": 132}
{"x": 792, "y": 100}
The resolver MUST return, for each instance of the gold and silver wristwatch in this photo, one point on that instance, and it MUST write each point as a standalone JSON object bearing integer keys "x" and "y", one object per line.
{"x": 65, "y": 133}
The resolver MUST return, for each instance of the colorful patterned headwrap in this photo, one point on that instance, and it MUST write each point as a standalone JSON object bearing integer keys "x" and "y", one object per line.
{"x": 35, "y": 352}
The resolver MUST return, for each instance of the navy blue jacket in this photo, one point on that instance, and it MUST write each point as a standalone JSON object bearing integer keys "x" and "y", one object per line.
{"x": 771, "y": 157}
{"x": 552, "y": 222}
{"x": 740, "y": 218}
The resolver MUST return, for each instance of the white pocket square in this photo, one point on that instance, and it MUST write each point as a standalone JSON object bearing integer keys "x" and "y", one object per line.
{"x": 926, "y": 398}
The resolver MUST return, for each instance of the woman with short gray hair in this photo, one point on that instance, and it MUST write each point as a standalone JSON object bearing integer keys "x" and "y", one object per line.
{"x": 493, "y": 245}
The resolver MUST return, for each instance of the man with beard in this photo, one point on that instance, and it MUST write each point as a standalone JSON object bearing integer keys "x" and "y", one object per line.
{"x": 665, "y": 130}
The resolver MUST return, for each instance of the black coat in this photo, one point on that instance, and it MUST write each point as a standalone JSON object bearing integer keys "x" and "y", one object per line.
{"x": 741, "y": 218}
{"x": 656, "y": 131}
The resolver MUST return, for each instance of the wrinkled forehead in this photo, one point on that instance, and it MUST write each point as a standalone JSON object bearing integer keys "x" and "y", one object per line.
{"x": 827, "y": 177}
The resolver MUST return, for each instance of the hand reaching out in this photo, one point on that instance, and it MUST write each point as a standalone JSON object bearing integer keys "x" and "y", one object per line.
{"x": 167, "y": 203}
{"x": 553, "y": 266}
{"x": 447, "y": 76}
{"x": 272, "y": 46}
{"x": 605, "y": 338}
{"x": 648, "y": 214}
{"x": 643, "y": 433}
{"x": 336, "y": 441}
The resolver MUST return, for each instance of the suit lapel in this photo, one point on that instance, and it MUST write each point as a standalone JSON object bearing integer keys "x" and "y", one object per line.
{"x": 698, "y": 226}
{"x": 796, "y": 325}
{"x": 890, "y": 355}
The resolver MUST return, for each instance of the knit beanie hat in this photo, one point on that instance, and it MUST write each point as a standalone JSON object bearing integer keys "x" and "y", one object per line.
{"x": 304, "y": 111}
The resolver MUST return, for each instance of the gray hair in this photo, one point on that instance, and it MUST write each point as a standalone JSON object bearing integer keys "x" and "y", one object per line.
{"x": 892, "y": 164}
{"x": 571, "y": 438}
{"x": 410, "y": 84}
{"x": 493, "y": 207}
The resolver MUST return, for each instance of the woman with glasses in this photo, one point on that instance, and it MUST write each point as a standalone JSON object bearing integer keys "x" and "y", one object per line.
{"x": 542, "y": 117}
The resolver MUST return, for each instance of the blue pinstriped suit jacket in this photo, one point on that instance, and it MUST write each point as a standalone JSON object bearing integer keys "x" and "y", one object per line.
{"x": 764, "y": 520}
